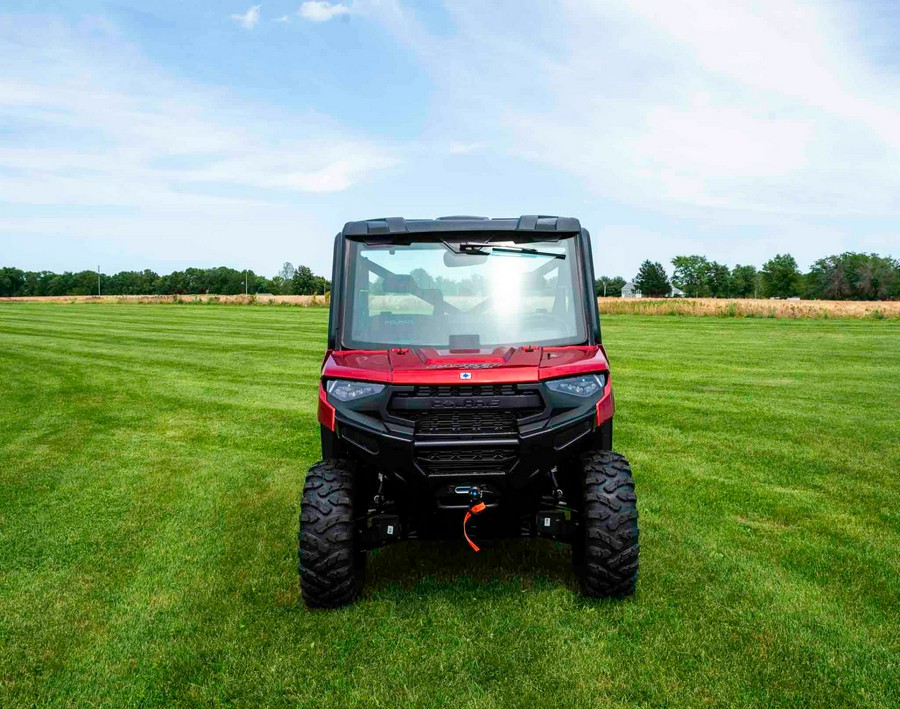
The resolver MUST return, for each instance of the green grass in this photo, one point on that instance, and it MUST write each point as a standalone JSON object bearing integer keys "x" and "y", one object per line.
{"x": 151, "y": 460}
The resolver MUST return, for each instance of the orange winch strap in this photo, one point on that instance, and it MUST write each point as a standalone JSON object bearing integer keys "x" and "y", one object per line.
{"x": 476, "y": 509}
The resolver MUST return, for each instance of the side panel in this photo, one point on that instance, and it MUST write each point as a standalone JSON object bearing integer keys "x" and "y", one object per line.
{"x": 337, "y": 291}
{"x": 593, "y": 310}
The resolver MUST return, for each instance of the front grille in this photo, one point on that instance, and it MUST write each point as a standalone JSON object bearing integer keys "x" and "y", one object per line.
{"x": 464, "y": 390}
{"x": 463, "y": 423}
{"x": 466, "y": 462}
{"x": 468, "y": 410}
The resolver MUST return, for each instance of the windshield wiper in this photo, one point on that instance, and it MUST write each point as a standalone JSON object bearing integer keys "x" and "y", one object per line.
{"x": 474, "y": 247}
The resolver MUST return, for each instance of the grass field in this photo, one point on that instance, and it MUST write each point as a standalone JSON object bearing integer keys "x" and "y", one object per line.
{"x": 151, "y": 459}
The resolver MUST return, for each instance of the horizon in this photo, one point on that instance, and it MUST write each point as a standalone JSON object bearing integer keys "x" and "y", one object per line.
{"x": 667, "y": 266}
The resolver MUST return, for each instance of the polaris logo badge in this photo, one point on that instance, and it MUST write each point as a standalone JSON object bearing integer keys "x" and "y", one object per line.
{"x": 465, "y": 375}
{"x": 455, "y": 403}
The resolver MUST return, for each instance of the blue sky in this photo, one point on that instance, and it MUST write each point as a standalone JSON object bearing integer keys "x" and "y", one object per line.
{"x": 160, "y": 135}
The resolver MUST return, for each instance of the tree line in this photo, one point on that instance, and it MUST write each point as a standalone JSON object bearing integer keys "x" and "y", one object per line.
{"x": 847, "y": 276}
{"x": 301, "y": 280}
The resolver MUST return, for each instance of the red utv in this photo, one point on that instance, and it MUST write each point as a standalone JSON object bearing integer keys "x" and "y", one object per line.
{"x": 465, "y": 393}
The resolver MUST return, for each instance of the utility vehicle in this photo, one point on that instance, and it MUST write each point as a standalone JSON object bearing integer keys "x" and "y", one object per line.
{"x": 465, "y": 393}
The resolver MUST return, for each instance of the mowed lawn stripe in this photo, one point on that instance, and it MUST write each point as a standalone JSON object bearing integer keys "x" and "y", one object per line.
{"x": 154, "y": 456}
{"x": 133, "y": 507}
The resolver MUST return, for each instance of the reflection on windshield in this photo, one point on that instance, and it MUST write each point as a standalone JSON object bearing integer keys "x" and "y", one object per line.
{"x": 423, "y": 294}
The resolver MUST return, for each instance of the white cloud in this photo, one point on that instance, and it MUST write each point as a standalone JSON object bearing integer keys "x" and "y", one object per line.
{"x": 283, "y": 19}
{"x": 100, "y": 145}
{"x": 755, "y": 107}
{"x": 249, "y": 19}
{"x": 463, "y": 148}
{"x": 103, "y": 114}
{"x": 321, "y": 11}
{"x": 735, "y": 130}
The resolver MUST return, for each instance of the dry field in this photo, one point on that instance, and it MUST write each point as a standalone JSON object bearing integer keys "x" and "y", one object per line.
{"x": 716, "y": 307}
{"x": 750, "y": 308}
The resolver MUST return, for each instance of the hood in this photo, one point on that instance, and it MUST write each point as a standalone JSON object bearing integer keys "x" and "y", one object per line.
{"x": 426, "y": 365}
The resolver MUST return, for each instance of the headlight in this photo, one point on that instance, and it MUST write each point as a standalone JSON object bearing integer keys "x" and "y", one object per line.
{"x": 587, "y": 385}
{"x": 344, "y": 390}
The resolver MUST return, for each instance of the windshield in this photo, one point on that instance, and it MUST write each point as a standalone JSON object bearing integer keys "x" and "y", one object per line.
{"x": 463, "y": 294}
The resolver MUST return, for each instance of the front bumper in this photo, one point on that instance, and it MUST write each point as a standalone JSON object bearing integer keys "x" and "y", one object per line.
{"x": 546, "y": 427}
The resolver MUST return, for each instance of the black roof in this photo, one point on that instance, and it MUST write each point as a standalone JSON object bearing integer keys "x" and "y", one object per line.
{"x": 399, "y": 225}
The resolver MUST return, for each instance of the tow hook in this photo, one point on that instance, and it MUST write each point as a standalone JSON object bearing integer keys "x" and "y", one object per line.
{"x": 379, "y": 495}
{"x": 557, "y": 490}
{"x": 473, "y": 492}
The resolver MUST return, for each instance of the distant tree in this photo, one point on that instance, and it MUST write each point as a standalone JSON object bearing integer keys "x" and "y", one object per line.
{"x": 148, "y": 282}
{"x": 829, "y": 279}
{"x": 652, "y": 280}
{"x": 279, "y": 286}
{"x": 83, "y": 283}
{"x": 131, "y": 283}
{"x": 229, "y": 281}
{"x": 692, "y": 275}
{"x": 610, "y": 287}
{"x": 718, "y": 279}
{"x": 170, "y": 283}
{"x": 876, "y": 278}
{"x": 33, "y": 283}
{"x": 305, "y": 282}
{"x": 287, "y": 271}
{"x": 36, "y": 282}
{"x": 854, "y": 276}
{"x": 259, "y": 284}
{"x": 422, "y": 278}
{"x": 744, "y": 281}
{"x": 780, "y": 277}
{"x": 447, "y": 286}
{"x": 59, "y": 284}
{"x": 843, "y": 276}
{"x": 12, "y": 282}
{"x": 220, "y": 280}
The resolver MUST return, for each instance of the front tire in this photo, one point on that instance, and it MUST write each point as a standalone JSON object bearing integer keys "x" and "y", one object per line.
{"x": 332, "y": 565}
{"x": 606, "y": 550}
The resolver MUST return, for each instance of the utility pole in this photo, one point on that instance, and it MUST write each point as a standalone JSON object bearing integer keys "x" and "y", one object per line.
{"x": 98, "y": 279}
{"x": 245, "y": 281}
